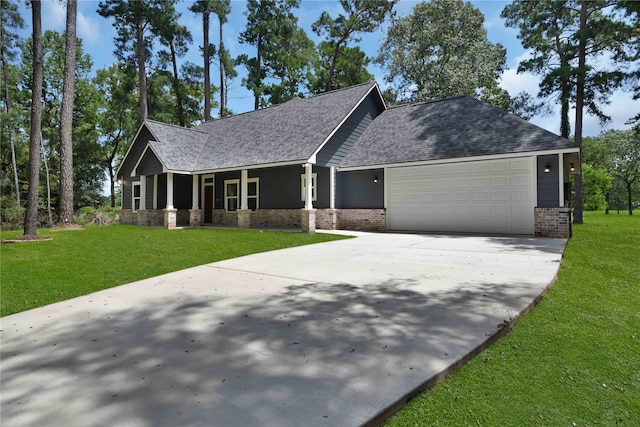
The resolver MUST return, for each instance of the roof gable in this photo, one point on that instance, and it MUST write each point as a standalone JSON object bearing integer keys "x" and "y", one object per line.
{"x": 289, "y": 132}
{"x": 450, "y": 128}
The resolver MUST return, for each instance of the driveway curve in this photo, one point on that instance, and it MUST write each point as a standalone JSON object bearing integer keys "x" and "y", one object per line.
{"x": 332, "y": 334}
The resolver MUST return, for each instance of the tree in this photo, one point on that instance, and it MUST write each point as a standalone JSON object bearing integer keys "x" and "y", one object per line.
{"x": 266, "y": 20}
{"x": 567, "y": 38}
{"x": 597, "y": 184}
{"x": 134, "y": 22}
{"x": 442, "y": 50}
{"x": 10, "y": 21}
{"x": 618, "y": 153}
{"x": 177, "y": 38}
{"x": 35, "y": 136}
{"x": 116, "y": 85}
{"x": 205, "y": 7}
{"x": 65, "y": 212}
{"x": 362, "y": 16}
{"x": 222, "y": 8}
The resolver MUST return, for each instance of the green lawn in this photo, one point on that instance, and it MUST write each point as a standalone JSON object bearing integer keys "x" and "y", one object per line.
{"x": 572, "y": 361}
{"x": 79, "y": 262}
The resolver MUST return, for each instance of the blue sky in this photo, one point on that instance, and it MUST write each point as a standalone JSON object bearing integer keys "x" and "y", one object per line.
{"x": 97, "y": 34}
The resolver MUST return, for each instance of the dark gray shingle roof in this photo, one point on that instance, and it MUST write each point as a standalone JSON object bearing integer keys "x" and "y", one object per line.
{"x": 450, "y": 128}
{"x": 176, "y": 147}
{"x": 288, "y": 132}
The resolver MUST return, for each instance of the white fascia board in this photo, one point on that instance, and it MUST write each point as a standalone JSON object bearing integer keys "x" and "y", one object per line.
{"x": 253, "y": 167}
{"x": 375, "y": 86}
{"x": 460, "y": 159}
{"x": 135, "y": 168}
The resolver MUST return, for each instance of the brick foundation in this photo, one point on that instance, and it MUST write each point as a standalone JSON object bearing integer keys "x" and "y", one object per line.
{"x": 552, "y": 222}
{"x": 308, "y": 219}
{"x": 244, "y": 218}
{"x": 195, "y": 217}
{"x": 326, "y": 219}
{"x": 361, "y": 219}
{"x": 276, "y": 218}
{"x": 224, "y": 218}
{"x": 170, "y": 218}
{"x": 127, "y": 216}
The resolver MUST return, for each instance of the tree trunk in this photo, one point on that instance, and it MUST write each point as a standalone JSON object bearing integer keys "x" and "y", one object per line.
{"x": 629, "y": 198}
{"x": 176, "y": 85}
{"x": 222, "y": 54}
{"x": 46, "y": 171}
{"x": 7, "y": 105}
{"x": 112, "y": 185}
{"x": 207, "y": 63}
{"x": 142, "y": 69}
{"x": 577, "y": 214}
{"x": 66, "y": 118}
{"x": 31, "y": 214}
{"x": 256, "y": 94}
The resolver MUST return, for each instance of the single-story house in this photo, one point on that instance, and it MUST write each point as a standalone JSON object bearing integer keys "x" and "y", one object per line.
{"x": 344, "y": 160}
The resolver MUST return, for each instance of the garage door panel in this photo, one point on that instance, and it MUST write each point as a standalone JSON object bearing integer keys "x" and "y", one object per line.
{"x": 492, "y": 196}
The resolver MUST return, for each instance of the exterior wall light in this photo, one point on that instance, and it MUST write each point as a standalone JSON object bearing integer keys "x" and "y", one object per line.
{"x": 547, "y": 168}
{"x": 375, "y": 179}
{"x": 572, "y": 167}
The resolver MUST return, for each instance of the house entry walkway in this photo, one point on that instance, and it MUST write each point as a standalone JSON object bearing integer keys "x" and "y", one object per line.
{"x": 322, "y": 335}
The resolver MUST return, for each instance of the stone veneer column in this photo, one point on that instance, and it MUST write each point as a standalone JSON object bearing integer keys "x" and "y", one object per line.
{"x": 195, "y": 217}
{"x": 308, "y": 220}
{"x": 170, "y": 218}
{"x": 244, "y": 218}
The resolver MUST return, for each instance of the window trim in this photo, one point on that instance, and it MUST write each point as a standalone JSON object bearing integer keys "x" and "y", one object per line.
{"x": 133, "y": 195}
{"x": 314, "y": 187}
{"x": 257, "y": 196}
{"x": 227, "y": 197}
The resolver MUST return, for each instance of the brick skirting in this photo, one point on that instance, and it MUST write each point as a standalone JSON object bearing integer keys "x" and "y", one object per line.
{"x": 361, "y": 219}
{"x": 276, "y": 218}
{"x": 552, "y": 222}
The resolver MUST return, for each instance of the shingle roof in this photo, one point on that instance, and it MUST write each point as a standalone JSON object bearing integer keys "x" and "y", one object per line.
{"x": 450, "y": 128}
{"x": 176, "y": 147}
{"x": 288, "y": 132}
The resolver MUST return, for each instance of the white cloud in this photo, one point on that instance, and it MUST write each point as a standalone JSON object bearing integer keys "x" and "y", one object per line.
{"x": 54, "y": 15}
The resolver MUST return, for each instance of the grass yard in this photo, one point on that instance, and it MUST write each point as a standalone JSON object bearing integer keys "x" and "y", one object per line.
{"x": 572, "y": 361}
{"x": 79, "y": 262}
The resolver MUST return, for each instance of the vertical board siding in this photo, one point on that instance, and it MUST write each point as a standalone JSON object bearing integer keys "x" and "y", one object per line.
{"x": 135, "y": 152}
{"x": 149, "y": 165}
{"x": 548, "y": 196}
{"x": 356, "y": 189}
{"x": 148, "y": 196}
{"x": 182, "y": 191}
{"x": 341, "y": 142}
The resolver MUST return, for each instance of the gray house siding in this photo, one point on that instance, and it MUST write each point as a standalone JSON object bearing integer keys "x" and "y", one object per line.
{"x": 134, "y": 154}
{"x": 182, "y": 191}
{"x": 548, "y": 196}
{"x": 162, "y": 191}
{"x": 219, "y": 187}
{"x": 149, "y": 165}
{"x": 279, "y": 187}
{"x": 341, "y": 142}
{"x": 356, "y": 189}
{"x": 126, "y": 187}
{"x": 148, "y": 199}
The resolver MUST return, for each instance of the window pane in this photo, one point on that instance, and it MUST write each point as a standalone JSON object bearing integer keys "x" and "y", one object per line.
{"x": 136, "y": 191}
{"x": 232, "y": 204}
{"x": 252, "y": 189}
{"x": 252, "y": 203}
{"x": 232, "y": 189}
{"x": 208, "y": 180}
{"x": 136, "y": 204}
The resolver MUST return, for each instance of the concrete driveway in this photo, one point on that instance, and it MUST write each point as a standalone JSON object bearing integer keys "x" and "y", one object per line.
{"x": 333, "y": 334}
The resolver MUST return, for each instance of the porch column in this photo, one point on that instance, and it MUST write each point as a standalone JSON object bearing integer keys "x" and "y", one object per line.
{"x": 332, "y": 187}
{"x": 170, "y": 213}
{"x": 143, "y": 192}
{"x": 155, "y": 192}
{"x": 308, "y": 214}
{"x": 169, "y": 191}
{"x": 195, "y": 213}
{"x": 244, "y": 214}
{"x": 308, "y": 203}
{"x": 244, "y": 188}
{"x": 561, "y": 179}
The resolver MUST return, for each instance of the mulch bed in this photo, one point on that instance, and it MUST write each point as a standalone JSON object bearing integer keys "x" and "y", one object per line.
{"x": 27, "y": 239}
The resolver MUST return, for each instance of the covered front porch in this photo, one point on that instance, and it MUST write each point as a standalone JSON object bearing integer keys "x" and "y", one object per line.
{"x": 229, "y": 198}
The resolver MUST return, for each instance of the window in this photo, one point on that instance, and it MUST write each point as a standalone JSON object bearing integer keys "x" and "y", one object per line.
{"x": 136, "y": 196}
{"x": 314, "y": 187}
{"x": 253, "y": 192}
{"x": 231, "y": 193}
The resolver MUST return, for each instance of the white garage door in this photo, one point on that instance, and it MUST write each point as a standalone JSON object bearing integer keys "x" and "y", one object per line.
{"x": 488, "y": 196}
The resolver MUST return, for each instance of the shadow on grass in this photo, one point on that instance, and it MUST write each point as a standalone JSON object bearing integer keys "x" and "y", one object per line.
{"x": 300, "y": 354}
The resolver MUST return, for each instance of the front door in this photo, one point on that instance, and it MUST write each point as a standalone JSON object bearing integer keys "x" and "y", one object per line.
{"x": 208, "y": 190}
